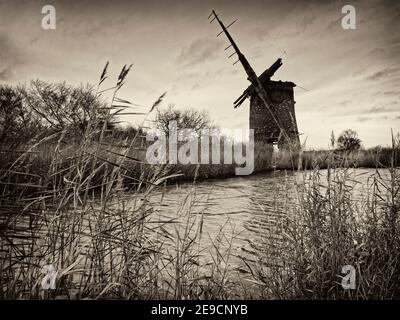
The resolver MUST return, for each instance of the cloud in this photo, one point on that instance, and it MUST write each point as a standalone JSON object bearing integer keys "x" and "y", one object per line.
{"x": 8, "y": 51}
{"x": 344, "y": 103}
{"x": 10, "y": 58}
{"x": 6, "y": 74}
{"x": 34, "y": 40}
{"x": 188, "y": 76}
{"x": 375, "y": 53}
{"x": 260, "y": 33}
{"x": 392, "y": 93}
{"x": 199, "y": 51}
{"x": 304, "y": 23}
{"x": 385, "y": 73}
{"x": 362, "y": 119}
{"x": 381, "y": 110}
{"x": 394, "y": 41}
{"x": 80, "y": 28}
{"x": 334, "y": 25}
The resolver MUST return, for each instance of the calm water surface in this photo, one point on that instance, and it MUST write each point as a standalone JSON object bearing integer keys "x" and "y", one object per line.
{"x": 244, "y": 208}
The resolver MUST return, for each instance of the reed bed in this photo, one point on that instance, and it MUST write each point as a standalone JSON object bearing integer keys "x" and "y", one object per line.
{"x": 66, "y": 205}
{"x": 331, "y": 226}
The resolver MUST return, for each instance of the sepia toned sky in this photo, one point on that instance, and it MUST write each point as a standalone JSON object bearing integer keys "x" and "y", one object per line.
{"x": 351, "y": 76}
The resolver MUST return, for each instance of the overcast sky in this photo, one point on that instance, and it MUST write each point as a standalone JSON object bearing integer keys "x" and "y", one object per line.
{"x": 352, "y": 75}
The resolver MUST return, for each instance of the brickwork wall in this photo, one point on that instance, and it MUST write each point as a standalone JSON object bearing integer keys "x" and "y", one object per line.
{"x": 266, "y": 130}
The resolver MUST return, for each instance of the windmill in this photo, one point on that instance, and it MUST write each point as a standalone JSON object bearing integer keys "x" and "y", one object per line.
{"x": 272, "y": 114}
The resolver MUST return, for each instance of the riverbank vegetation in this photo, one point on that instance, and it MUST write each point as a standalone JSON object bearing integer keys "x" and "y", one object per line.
{"x": 330, "y": 228}
{"x": 64, "y": 203}
{"x": 37, "y": 114}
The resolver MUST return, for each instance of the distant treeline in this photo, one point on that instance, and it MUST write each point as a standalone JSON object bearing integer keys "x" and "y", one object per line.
{"x": 34, "y": 111}
{"x": 40, "y": 111}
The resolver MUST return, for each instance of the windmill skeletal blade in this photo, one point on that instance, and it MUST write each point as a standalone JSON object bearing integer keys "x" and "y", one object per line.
{"x": 302, "y": 88}
{"x": 231, "y": 24}
{"x": 227, "y": 47}
{"x": 235, "y": 62}
{"x": 258, "y": 88}
{"x": 210, "y": 15}
{"x": 249, "y": 70}
{"x": 251, "y": 75}
{"x": 213, "y": 19}
{"x": 239, "y": 101}
{"x": 232, "y": 55}
{"x": 244, "y": 94}
{"x": 266, "y": 75}
{"x": 226, "y": 28}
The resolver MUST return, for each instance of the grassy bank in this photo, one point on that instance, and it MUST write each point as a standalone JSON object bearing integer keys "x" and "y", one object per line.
{"x": 135, "y": 163}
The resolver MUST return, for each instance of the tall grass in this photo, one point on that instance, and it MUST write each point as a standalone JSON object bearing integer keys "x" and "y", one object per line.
{"x": 73, "y": 220}
{"x": 332, "y": 226}
{"x": 65, "y": 205}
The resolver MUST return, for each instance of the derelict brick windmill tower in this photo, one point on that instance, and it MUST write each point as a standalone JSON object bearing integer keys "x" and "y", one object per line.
{"x": 272, "y": 112}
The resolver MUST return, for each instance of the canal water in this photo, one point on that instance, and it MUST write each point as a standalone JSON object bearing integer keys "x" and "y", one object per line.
{"x": 233, "y": 216}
